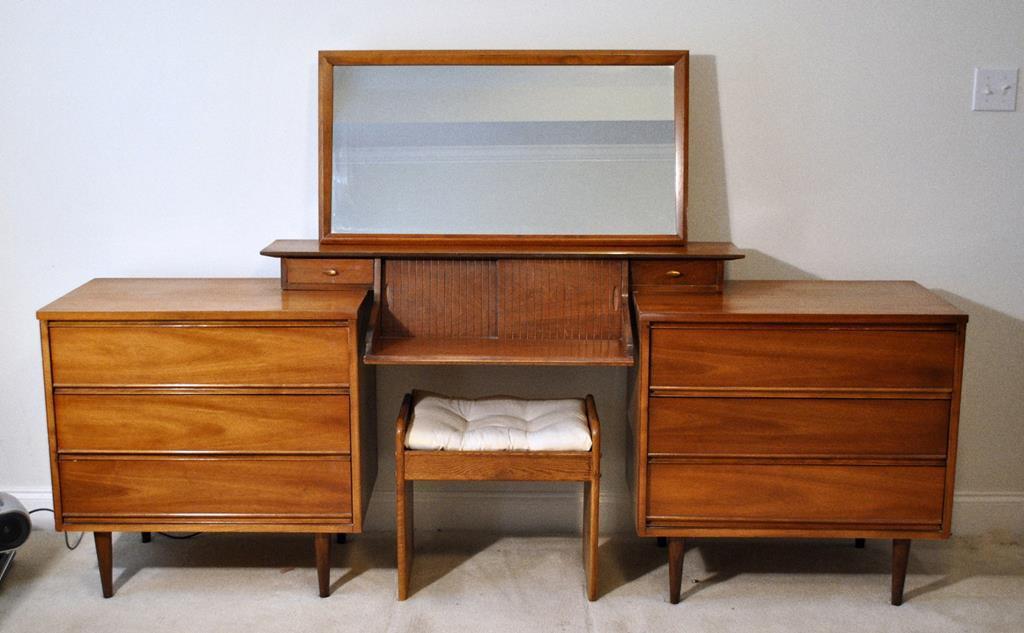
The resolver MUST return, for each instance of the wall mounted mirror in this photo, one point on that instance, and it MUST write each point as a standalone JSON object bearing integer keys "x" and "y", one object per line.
{"x": 552, "y": 147}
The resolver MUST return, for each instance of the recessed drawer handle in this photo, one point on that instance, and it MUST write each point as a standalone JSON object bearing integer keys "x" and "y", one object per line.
{"x": 331, "y": 272}
{"x": 673, "y": 274}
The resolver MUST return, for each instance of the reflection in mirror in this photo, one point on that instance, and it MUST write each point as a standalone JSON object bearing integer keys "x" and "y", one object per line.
{"x": 546, "y": 150}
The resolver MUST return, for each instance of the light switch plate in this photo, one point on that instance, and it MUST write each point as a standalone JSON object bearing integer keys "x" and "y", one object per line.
{"x": 995, "y": 89}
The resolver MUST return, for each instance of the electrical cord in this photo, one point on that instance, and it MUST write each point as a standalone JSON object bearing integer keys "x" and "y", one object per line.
{"x": 67, "y": 541}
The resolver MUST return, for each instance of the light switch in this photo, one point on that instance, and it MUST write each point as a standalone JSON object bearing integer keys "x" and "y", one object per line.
{"x": 995, "y": 89}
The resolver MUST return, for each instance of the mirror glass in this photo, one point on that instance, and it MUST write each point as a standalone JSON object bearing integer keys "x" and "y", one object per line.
{"x": 544, "y": 150}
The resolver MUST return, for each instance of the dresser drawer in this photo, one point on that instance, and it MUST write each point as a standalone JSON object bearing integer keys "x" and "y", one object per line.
{"x": 313, "y": 272}
{"x": 685, "y": 274}
{"x": 816, "y": 357}
{"x": 798, "y": 426}
{"x": 197, "y": 354}
{"x": 202, "y": 423}
{"x": 720, "y": 494}
{"x": 198, "y": 488}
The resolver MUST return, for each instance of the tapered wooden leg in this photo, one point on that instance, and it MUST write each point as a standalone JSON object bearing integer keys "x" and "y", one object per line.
{"x": 591, "y": 532}
{"x": 900, "y": 554}
{"x": 858, "y": 543}
{"x": 341, "y": 538}
{"x": 675, "y": 568}
{"x": 662, "y": 541}
{"x": 147, "y": 537}
{"x": 105, "y": 559}
{"x": 322, "y": 544}
{"x": 404, "y": 533}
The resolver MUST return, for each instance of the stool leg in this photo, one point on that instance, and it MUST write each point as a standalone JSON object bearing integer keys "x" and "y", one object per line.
{"x": 858, "y": 543}
{"x": 675, "y": 568}
{"x": 341, "y": 538}
{"x": 322, "y": 545}
{"x": 105, "y": 559}
{"x": 591, "y": 531}
{"x": 147, "y": 537}
{"x": 404, "y": 533}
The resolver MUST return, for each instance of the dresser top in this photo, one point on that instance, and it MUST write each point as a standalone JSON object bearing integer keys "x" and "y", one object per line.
{"x": 802, "y": 301}
{"x": 200, "y": 299}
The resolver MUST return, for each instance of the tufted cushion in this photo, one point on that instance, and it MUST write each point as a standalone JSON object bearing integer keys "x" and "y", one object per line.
{"x": 498, "y": 424}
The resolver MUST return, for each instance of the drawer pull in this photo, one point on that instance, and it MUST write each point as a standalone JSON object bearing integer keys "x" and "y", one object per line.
{"x": 673, "y": 274}
{"x": 331, "y": 272}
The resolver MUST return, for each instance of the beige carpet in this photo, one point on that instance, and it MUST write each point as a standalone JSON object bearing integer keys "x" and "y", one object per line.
{"x": 479, "y": 583}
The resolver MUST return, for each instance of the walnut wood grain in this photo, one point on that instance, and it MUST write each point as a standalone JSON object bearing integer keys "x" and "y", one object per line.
{"x": 185, "y": 353}
{"x": 208, "y": 487}
{"x": 676, "y": 552}
{"x": 798, "y": 427}
{"x": 874, "y": 302}
{"x": 561, "y": 300}
{"x": 428, "y": 351}
{"x": 322, "y": 545}
{"x": 680, "y": 274}
{"x": 493, "y": 466}
{"x": 710, "y": 493}
{"x": 418, "y": 465}
{"x": 504, "y": 311}
{"x": 301, "y": 273}
{"x": 900, "y": 556}
{"x": 678, "y": 60}
{"x": 247, "y": 423}
{"x": 105, "y": 561}
{"x": 511, "y": 248}
{"x": 199, "y": 300}
{"x": 788, "y": 357}
{"x": 439, "y": 298}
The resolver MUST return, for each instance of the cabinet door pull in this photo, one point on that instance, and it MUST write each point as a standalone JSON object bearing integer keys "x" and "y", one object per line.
{"x": 331, "y": 272}
{"x": 673, "y": 274}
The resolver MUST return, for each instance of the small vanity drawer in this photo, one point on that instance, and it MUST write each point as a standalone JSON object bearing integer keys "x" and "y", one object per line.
{"x": 798, "y": 426}
{"x": 820, "y": 357}
{"x": 150, "y": 487}
{"x": 702, "y": 275}
{"x": 251, "y": 423}
{"x": 196, "y": 353}
{"x": 727, "y": 494}
{"x": 315, "y": 272}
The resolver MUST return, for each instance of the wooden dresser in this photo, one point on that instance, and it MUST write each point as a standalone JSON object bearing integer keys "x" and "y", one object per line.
{"x": 208, "y": 405}
{"x": 796, "y": 409}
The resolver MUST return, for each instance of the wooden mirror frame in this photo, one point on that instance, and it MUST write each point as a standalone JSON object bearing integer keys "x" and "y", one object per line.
{"x": 679, "y": 60}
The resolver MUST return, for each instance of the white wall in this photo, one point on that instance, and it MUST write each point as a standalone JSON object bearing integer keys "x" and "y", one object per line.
{"x": 830, "y": 139}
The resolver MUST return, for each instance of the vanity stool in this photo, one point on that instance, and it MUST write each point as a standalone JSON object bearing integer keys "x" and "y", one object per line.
{"x": 496, "y": 439}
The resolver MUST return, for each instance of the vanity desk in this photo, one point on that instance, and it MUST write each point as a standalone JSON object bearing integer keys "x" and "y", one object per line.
{"x": 537, "y": 219}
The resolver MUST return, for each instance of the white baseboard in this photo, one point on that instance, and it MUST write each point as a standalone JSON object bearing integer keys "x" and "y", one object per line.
{"x": 974, "y": 513}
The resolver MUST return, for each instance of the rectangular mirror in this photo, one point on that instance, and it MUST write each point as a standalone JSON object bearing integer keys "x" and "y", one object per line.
{"x": 475, "y": 146}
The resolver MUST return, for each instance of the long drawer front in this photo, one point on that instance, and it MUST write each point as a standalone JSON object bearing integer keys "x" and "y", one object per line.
{"x": 202, "y": 423}
{"x": 759, "y": 495}
{"x": 137, "y": 488}
{"x": 199, "y": 354}
{"x": 802, "y": 358}
{"x": 798, "y": 427}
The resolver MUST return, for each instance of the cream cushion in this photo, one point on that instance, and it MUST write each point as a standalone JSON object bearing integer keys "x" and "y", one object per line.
{"x": 498, "y": 424}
